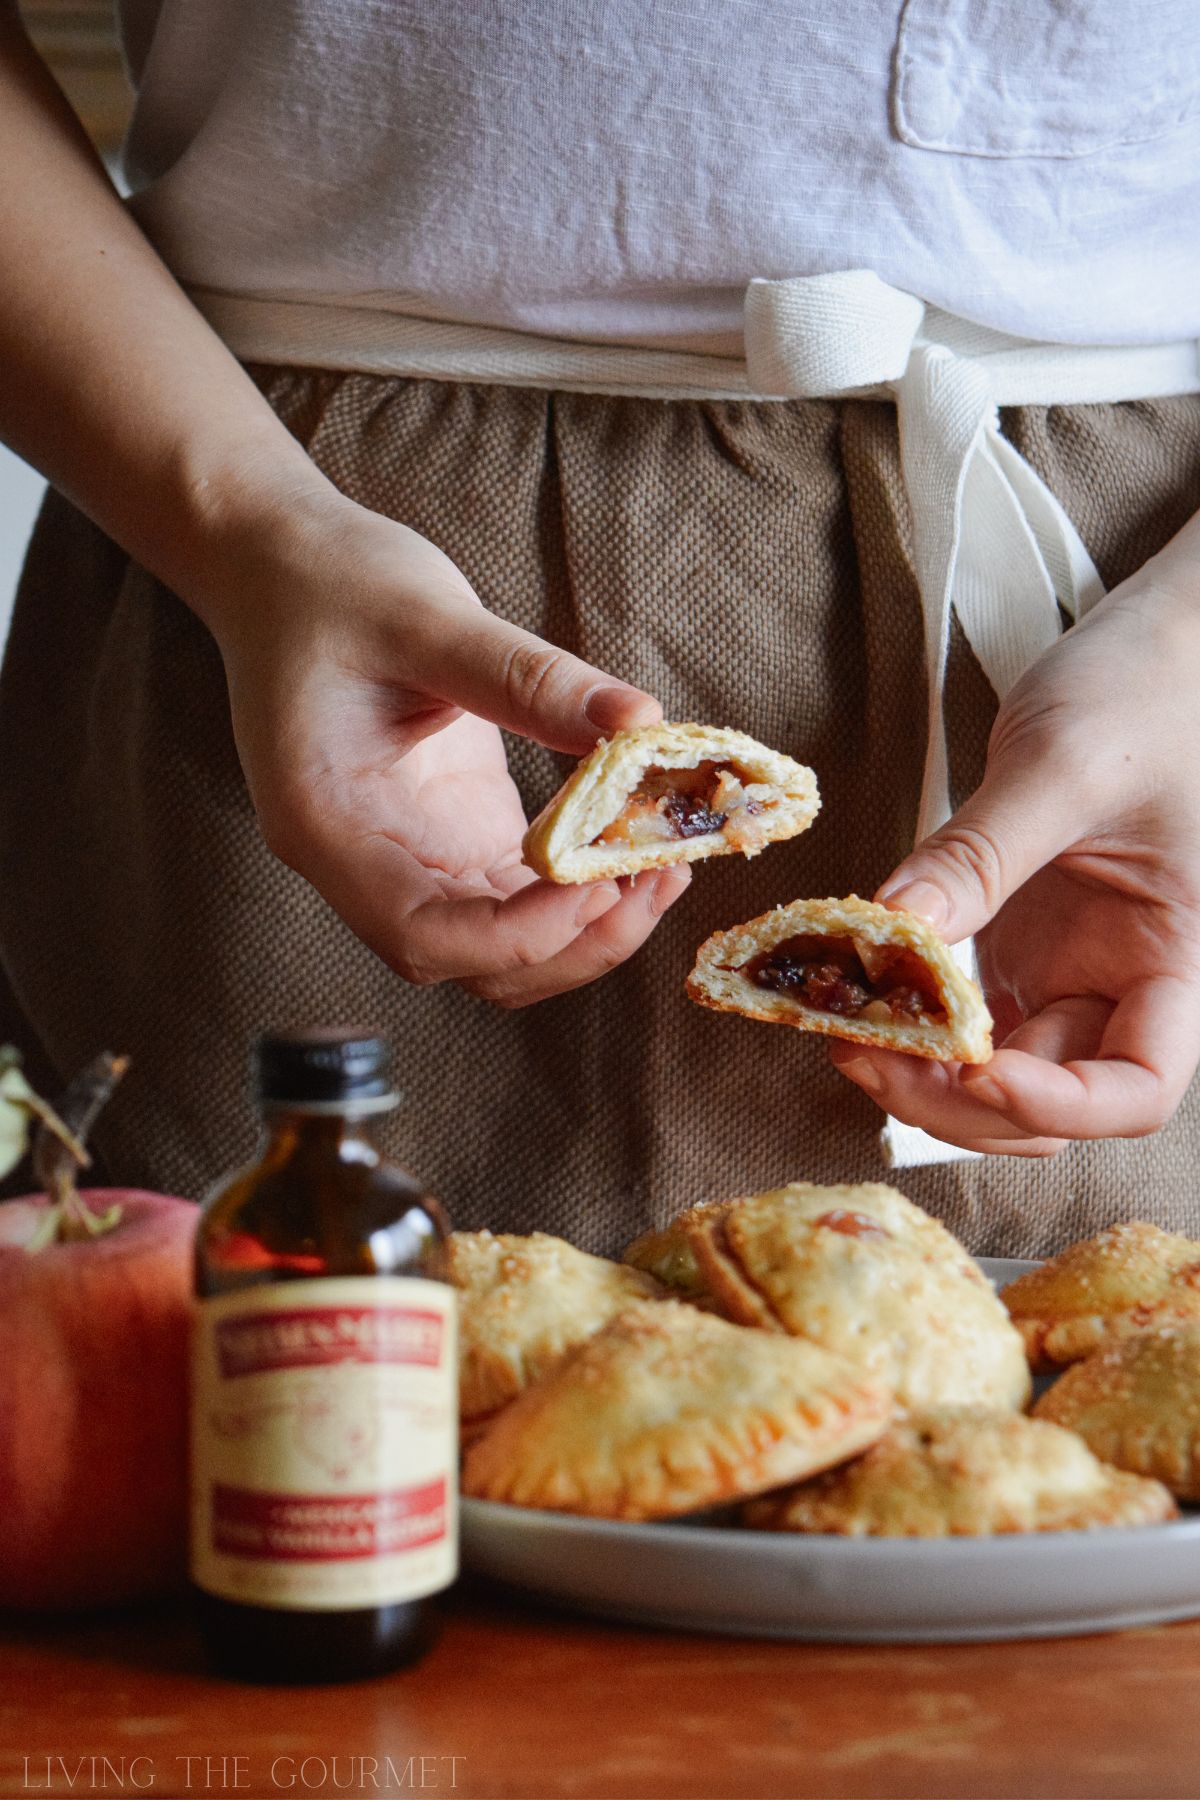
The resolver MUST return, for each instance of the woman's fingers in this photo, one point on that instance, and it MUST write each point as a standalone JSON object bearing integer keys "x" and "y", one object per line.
{"x": 930, "y": 1095}
{"x": 959, "y": 878}
{"x": 1128, "y": 1086}
{"x": 1082, "y": 1068}
{"x": 519, "y": 682}
{"x": 601, "y": 946}
{"x": 1066, "y": 1029}
{"x": 1022, "y": 815}
{"x": 454, "y": 937}
{"x": 430, "y": 924}
{"x": 512, "y": 939}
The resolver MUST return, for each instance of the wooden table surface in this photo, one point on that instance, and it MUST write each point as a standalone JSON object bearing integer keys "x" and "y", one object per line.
{"x": 520, "y": 1703}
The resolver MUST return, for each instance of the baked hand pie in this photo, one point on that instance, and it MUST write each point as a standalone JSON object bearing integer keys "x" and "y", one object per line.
{"x": 1128, "y": 1277}
{"x": 1136, "y": 1403}
{"x": 848, "y": 969}
{"x": 861, "y": 1271}
{"x": 668, "y": 1409}
{"x": 666, "y": 794}
{"x": 523, "y": 1303}
{"x": 669, "y": 1255}
{"x": 966, "y": 1474}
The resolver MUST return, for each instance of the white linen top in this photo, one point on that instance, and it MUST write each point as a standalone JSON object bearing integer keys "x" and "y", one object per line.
{"x": 616, "y": 171}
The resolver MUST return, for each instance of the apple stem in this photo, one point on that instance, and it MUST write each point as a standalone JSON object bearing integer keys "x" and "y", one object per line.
{"x": 58, "y": 1153}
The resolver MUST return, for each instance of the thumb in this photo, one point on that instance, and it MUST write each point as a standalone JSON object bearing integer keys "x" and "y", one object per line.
{"x": 521, "y": 683}
{"x": 1020, "y": 818}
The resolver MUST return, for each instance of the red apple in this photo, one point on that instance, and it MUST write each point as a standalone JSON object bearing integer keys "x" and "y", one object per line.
{"x": 93, "y": 1403}
{"x": 95, "y": 1312}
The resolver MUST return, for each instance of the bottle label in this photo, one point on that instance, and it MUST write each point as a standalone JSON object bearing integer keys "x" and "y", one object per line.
{"x": 325, "y": 1442}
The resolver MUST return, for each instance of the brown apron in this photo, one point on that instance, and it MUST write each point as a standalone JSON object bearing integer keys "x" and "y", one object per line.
{"x": 747, "y": 562}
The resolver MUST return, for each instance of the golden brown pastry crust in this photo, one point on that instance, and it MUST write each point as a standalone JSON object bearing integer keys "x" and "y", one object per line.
{"x": 1136, "y": 1403}
{"x": 1128, "y": 1277}
{"x": 863, "y": 1272}
{"x": 560, "y": 844}
{"x": 669, "y": 1256}
{"x": 966, "y": 1473}
{"x": 523, "y": 1303}
{"x": 718, "y": 979}
{"x": 668, "y": 1409}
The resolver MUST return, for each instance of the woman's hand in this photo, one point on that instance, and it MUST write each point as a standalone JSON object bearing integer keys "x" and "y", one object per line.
{"x": 365, "y": 678}
{"x": 367, "y": 683}
{"x": 1077, "y": 865}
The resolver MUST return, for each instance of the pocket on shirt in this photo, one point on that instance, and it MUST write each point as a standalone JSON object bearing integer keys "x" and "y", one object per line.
{"x": 1055, "y": 78}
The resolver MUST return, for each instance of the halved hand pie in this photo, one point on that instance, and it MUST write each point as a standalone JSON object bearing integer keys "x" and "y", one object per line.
{"x": 966, "y": 1473}
{"x": 666, "y": 794}
{"x": 849, "y": 969}
{"x": 1127, "y": 1277}
{"x": 523, "y": 1303}
{"x": 668, "y": 1409}
{"x": 861, "y": 1271}
{"x": 1136, "y": 1403}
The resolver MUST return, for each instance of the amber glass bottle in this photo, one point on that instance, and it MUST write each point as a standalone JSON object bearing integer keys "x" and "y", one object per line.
{"x": 324, "y": 1396}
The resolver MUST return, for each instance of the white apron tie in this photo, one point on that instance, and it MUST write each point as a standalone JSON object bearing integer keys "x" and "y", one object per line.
{"x": 992, "y": 543}
{"x": 991, "y": 540}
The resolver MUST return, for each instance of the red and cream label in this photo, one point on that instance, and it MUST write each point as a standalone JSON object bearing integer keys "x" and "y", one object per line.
{"x": 325, "y": 1442}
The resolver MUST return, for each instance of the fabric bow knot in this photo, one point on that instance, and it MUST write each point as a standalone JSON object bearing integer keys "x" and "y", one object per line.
{"x": 990, "y": 539}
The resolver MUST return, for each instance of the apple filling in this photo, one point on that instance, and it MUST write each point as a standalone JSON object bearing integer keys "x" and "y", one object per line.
{"x": 881, "y": 984}
{"x": 670, "y": 804}
{"x": 852, "y": 1224}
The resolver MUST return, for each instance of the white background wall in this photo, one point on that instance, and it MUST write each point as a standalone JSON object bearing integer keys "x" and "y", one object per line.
{"x": 20, "y": 496}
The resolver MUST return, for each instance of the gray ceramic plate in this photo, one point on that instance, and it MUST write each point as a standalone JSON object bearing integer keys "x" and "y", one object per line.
{"x": 848, "y": 1590}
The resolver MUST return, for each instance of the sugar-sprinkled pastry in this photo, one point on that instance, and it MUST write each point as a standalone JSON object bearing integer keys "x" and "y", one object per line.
{"x": 861, "y": 1271}
{"x": 1129, "y": 1276}
{"x": 664, "y": 794}
{"x": 966, "y": 1474}
{"x": 668, "y": 1409}
{"x": 523, "y": 1303}
{"x": 849, "y": 969}
{"x": 1136, "y": 1403}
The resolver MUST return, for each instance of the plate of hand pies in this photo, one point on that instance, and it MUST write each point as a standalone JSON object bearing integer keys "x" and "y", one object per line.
{"x": 809, "y": 1413}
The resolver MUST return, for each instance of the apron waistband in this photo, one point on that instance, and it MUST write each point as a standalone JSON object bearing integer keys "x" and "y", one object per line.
{"x": 811, "y": 337}
{"x": 992, "y": 543}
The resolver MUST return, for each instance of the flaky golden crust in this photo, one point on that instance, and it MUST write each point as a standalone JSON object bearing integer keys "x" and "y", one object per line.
{"x": 523, "y": 1303}
{"x": 668, "y": 1409}
{"x": 863, "y": 1272}
{"x": 966, "y": 1474}
{"x": 560, "y": 843}
{"x": 1136, "y": 1403}
{"x": 1128, "y": 1277}
{"x": 669, "y": 1256}
{"x": 718, "y": 979}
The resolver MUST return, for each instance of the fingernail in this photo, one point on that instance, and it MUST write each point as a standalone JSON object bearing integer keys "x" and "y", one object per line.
{"x": 668, "y": 886}
{"x": 862, "y": 1073}
{"x": 608, "y": 708}
{"x": 985, "y": 1088}
{"x": 599, "y": 900}
{"x": 920, "y": 897}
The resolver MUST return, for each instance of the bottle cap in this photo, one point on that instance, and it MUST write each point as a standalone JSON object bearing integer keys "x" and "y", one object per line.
{"x": 324, "y": 1069}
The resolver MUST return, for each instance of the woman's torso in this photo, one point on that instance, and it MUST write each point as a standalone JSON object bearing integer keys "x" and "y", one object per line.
{"x": 619, "y": 170}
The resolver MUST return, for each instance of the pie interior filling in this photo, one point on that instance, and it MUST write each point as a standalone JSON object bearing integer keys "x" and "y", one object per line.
{"x": 881, "y": 984}
{"x": 670, "y": 804}
{"x": 852, "y": 1224}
